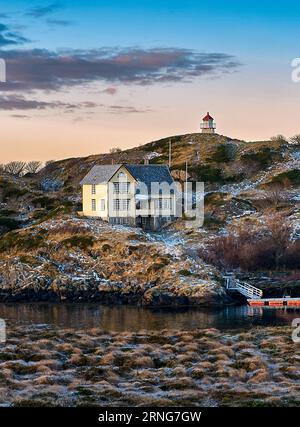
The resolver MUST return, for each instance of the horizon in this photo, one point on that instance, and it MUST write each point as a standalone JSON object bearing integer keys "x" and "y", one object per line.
{"x": 84, "y": 78}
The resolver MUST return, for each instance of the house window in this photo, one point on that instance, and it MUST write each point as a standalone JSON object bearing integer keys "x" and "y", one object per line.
{"x": 102, "y": 204}
{"x": 116, "y": 204}
{"x": 158, "y": 203}
{"x": 93, "y": 189}
{"x": 93, "y": 204}
{"x": 121, "y": 204}
{"x": 122, "y": 175}
{"x": 121, "y": 187}
{"x": 167, "y": 204}
{"x": 126, "y": 204}
{"x": 163, "y": 204}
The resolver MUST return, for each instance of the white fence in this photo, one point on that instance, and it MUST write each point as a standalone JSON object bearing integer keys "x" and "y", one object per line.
{"x": 245, "y": 289}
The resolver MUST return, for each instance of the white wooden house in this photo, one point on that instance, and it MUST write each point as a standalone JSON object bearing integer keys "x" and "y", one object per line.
{"x": 137, "y": 195}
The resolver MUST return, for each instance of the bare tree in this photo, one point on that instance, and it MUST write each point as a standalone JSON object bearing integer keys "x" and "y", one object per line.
{"x": 115, "y": 150}
{"x": 276, "y": 194}
{"x": 280, "y": 230}
{"x": 33, "y": 166}
{"x": 279, "y": 138}
{"x": 15, "y": 168}
{"x": 49, "y": 162}
{"x": 295, "y": 139}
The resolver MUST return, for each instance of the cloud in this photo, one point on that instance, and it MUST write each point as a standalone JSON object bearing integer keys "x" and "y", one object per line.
{"x": 110, "y": 91}
{"x": 120, "y": 109}
{"x": 17, "y": 102}
{"x": 42, "y": 11}
{"x": 8, "y": 37}
{"x": 14, "y": 102}
{"x": 20, "y": 116}
{"x": 41, "y": 69}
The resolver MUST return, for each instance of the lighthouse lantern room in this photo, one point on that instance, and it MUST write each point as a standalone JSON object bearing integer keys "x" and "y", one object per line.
{"x": 208, "y": 125}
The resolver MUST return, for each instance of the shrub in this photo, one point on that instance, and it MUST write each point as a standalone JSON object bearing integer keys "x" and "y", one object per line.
{"x": 185, "y": 272}
{"x": 279, "y": 138}
{"x": 81, "y": 242}
{"x": 253, "y": 249}
{"x": 207, "y": 173}
{"x": 155, "y": 267}
{"x": 295, "y": 139}
{"x": 223, "y": 154}
{"x": 59, "y": 210}
{"x": 7, "y": 212}
{"x": 264, "y": 157}
{"x": 18, "y": 241}
{"x": 8, "y": 223}
{"x": 292, "y": 176}
{"x": 213, "y": 223}
{"x": 43, "y": 202}
{"x": 10, "y": 191}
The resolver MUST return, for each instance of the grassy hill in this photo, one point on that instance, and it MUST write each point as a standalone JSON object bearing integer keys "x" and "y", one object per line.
{"x": 252, "y": 219}
{"x": 231, "y": 166}
{"x": 213, "y": 158}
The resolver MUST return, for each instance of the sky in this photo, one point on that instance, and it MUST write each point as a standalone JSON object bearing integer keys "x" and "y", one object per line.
{"x": 83, "y": 77}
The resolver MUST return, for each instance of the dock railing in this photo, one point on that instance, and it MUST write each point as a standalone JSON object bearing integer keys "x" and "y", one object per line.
{"x": 245, "y": 289}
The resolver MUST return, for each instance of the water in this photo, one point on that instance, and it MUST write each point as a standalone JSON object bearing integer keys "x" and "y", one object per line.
{"x": 126, "y": 318}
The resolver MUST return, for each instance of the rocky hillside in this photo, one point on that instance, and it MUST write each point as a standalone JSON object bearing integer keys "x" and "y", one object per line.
{"x": 47, "y": 252}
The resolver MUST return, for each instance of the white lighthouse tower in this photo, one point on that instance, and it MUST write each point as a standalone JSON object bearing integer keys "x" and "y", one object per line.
{"x": 208, "y": 125}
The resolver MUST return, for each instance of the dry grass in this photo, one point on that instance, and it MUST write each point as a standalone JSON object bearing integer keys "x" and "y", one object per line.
{"x": 203, "y": 367}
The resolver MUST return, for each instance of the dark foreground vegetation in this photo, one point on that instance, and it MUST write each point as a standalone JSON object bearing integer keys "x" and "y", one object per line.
{"x": 47, "y": 366}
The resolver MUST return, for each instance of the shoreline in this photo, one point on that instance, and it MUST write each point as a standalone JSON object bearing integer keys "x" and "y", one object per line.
{"x": 113, "y": 299}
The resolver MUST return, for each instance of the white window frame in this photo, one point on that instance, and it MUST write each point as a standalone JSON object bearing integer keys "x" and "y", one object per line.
{"x": 121, "y": 205}
{"x": 121, "y": 187}
{"x": 116, "y": 205}
{"x": 94, "y": 205}
{"x": 126, "y": 205}
{"x": 93, "y": 188}
{"x": 102, "y": 204}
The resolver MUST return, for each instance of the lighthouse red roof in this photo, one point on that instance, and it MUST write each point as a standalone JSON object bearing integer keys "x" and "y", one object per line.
{"x": 207, "y": 118}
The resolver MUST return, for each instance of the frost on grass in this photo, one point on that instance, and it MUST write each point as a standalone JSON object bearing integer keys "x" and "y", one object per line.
{"x": 48, "y": 366}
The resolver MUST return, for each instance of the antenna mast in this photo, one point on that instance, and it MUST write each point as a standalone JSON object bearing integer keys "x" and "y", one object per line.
{"x": 170, "y": 153}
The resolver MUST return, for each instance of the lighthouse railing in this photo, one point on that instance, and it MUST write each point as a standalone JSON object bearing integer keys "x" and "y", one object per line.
{"x": 208, "y": 125}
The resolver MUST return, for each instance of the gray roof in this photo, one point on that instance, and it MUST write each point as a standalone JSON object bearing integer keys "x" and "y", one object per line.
{"x": 150, "y": 173}
{"x": 100, "y": 174}
{"x": 142, "y": 173}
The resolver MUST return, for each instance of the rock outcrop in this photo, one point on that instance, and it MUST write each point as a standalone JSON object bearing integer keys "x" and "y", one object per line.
{"x": 87, "y": 260}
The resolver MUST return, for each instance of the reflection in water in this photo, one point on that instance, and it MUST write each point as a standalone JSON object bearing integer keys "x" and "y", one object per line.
{"x": 125, "y": 318}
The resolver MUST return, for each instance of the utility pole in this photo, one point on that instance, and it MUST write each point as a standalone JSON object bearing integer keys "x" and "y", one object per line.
{"x": 170, "y": 153}
{"x": 186, "y": 181}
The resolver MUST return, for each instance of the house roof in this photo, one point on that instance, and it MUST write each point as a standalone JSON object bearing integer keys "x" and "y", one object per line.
{"x": 207, "y": 118}
{"x": 142, "y": 173}
{"x": 150, "y": 173}
{"x": 100, "y": 174}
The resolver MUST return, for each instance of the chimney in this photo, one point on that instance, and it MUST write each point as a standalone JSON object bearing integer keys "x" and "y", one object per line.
{"x": 146, "y": 161}
{"x": 113, "y": 162}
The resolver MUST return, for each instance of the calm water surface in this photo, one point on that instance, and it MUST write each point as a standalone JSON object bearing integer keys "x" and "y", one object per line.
{"x": 124, "y": 318}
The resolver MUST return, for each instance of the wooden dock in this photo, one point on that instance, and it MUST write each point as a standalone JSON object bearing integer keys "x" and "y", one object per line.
{"x": 274, "y": 302}
{"x": 255, "y": 296}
